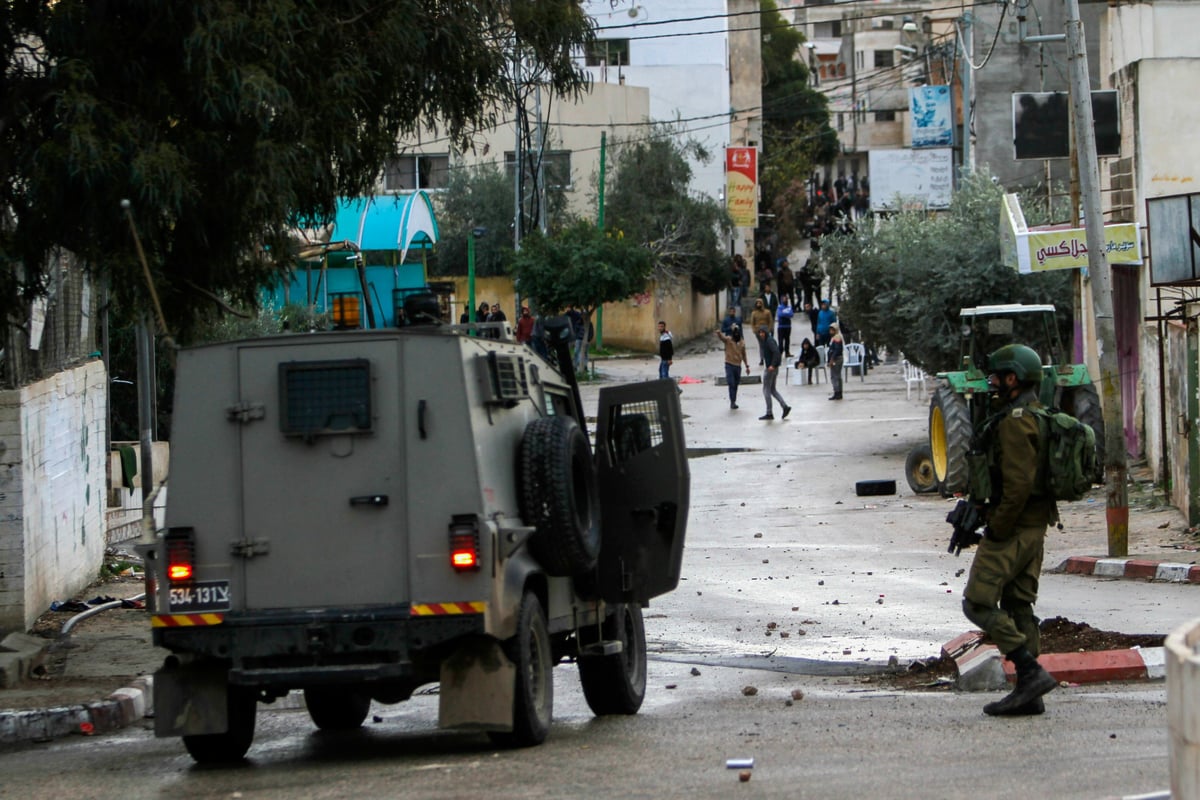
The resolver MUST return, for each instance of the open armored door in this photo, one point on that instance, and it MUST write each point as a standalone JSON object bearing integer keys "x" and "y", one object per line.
{"x": 641, "y": 464}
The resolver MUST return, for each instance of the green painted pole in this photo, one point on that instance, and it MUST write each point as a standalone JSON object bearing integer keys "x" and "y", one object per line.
{"x": 470, "y": 275}
{"x": 600, "y": 224}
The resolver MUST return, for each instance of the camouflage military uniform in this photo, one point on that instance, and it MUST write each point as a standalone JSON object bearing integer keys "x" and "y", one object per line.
{"x": 1003, "y": 583}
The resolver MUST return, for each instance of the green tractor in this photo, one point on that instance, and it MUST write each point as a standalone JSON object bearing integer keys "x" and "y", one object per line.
{"x": 960, "y": 401}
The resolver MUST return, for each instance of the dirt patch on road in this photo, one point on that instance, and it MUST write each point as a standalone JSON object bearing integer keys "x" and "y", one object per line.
{"x": 1059, "y": 635}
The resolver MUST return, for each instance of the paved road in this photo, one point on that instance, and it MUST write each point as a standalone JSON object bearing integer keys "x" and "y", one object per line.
{"x": 824, "y": 561}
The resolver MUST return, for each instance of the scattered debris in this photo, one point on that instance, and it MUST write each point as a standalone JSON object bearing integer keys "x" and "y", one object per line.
{"x": 758, "y": 536}
{"x": 744, "y": 776}
{"x": 797, "y": 694}
{"x": 749, "y": 691}
{"x": 695, "y": 671}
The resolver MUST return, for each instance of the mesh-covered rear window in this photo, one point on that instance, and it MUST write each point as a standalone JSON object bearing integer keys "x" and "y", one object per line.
{"x": 325, "y": 397}
{"x": 633, "y": 428}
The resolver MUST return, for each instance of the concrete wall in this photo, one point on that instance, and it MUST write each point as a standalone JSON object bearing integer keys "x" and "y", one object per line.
{"x": 1149, "y": 62}
{"x": 688, "y": 76}
{"x": 52, "y": 491}
{"x": 1015, "y": 67}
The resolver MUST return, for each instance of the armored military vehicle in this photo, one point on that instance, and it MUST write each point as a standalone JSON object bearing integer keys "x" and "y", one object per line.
{"x": 354, "y": 514}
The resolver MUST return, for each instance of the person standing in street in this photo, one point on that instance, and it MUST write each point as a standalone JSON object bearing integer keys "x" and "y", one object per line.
{"x": 1017, "y": 508}
{"x": 825, "y": 317}
{"x": 784, "y": 320}
{"x": 833, "y": 359}
{"x": 666, "y": 350}
{"x": 525, "y": 325}
{"x": 773, "y": 357}
{"x": 735, "y": 357}
{"x": 760, "y": 317}
{"x": 731, "y": 319}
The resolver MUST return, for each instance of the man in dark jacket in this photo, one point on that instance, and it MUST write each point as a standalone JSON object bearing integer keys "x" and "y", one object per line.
{"x": 666, "y": 350}
{"x": 1003, "y": 583}
{"x": 773, "y": 358}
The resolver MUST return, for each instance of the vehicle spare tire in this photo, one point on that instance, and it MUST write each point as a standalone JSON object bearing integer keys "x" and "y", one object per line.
{"x": 559, "y": 496}
{"x": 1083, "y": 403}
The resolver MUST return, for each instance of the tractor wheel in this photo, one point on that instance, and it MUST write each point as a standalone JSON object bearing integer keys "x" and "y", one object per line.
{"x": 1083, "y": 403}
{"x": 950, "y": 432}
{"x": 918, "y": 468}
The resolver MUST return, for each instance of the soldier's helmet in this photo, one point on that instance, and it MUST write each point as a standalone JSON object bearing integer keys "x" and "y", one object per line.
{"x": 1018, "y": 359}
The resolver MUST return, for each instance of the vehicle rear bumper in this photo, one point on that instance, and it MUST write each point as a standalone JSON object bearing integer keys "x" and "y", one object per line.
{"x": 321, "y": 646}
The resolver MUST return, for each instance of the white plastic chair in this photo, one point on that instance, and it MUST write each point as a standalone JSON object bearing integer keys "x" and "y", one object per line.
{"x": 913, "y": 376}
{"x": 856, "y": 356}
{"x": 823, "y": 367}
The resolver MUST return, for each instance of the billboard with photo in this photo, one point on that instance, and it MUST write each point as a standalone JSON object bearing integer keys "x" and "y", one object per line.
{"x": 932, "y": 121}
{"x": 1042, "y": 124}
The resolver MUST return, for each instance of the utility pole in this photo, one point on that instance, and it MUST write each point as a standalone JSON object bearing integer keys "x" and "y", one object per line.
{"x": 968, "y": 159}
{"x": 1117, "y": 495}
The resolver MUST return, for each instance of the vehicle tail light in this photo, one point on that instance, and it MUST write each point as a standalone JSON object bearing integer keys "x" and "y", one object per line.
{"x": 181, "y": 555}
{"x": 464, "y": 543}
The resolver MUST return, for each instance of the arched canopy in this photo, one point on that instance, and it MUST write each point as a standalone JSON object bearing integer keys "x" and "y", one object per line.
{"x": 387, "y": 222}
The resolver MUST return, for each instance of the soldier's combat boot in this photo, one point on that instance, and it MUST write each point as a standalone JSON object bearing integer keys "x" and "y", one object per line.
{"x": 1032, "y": 682}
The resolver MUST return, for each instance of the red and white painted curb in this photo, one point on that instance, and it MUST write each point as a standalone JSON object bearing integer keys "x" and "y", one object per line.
{"x": 981, "y": 667}
{"x": 1131, "y": 568}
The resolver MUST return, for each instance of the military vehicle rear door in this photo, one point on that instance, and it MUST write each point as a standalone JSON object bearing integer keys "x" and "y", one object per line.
{"x": 322, "y": 476}
{"x": 642, "y": 470}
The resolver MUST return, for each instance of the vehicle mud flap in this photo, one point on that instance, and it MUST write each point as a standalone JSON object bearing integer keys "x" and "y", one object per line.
{"x": 190, "y": 701}
{"x": 477, "y": 685}
{"x": 641, "y": 466}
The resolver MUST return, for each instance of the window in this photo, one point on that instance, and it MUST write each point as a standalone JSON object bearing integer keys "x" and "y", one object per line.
{"x": 885, "y": 116}
{"x": 556, "y": 166}
{"x": 841, "y": 121}
{"x": 607, "y": 53}
{"x": 885, "y": 58}
{"x": 409, "y": 173}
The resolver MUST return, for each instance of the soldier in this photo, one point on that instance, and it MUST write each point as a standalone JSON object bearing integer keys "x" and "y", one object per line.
{"x": 1010, "y": 478}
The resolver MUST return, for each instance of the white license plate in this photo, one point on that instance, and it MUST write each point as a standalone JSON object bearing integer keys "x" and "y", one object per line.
{"x": 200, "y": 596}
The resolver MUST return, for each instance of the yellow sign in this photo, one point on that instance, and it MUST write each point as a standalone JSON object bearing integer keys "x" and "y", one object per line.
{"x": 1031, "y": 250}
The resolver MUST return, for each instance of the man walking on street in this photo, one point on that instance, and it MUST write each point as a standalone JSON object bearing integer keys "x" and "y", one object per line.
{"x": 1010, "y": 485}
{"x": 666, "y": 350}
{"x": 773, "y": 357}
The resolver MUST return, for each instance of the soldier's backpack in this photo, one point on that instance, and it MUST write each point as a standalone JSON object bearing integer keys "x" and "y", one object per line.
{"x": 1069, "y": 464}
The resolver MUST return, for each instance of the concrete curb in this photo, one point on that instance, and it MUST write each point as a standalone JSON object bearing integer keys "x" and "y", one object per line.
{"x": 981, "y": 668}
{"x": 123, "y": 707}
{"x": 1131, "y": 568}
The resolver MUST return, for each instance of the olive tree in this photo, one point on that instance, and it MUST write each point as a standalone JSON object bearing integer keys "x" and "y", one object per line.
{"x": 901, "y": 282}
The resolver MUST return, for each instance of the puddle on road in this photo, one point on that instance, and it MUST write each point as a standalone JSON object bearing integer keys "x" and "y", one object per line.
{"x": 701, "y": 452}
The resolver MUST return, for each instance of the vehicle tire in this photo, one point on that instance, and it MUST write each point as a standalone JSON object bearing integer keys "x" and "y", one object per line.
{"x": 335, "y": 708}
{"x": 1083, "y": 403}
{"x": 616, "y": 684}
{"x": 950, "y": 432}
{"x": 231, "y": 746}
{"x": 533, "y": 696}
{"x": 559, "y": 496}
{"x": 918, "y": 469}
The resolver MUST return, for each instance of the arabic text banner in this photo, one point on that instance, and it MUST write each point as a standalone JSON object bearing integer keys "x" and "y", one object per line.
{"x": 1067, "y": 249}
{"x": 741, "y": 185}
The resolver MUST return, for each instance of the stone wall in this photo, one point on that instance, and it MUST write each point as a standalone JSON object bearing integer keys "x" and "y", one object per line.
{"x": 52, "y": 491}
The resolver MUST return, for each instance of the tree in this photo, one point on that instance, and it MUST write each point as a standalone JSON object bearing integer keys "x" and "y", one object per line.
{"x": 648, "y": 198}
{"x": 582, "y": 266}
{"x": 901, "y": 284}
{"x": 227, "y": 123}
{"x": 796, "y": 129}
{"x": 482, "y": 197}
